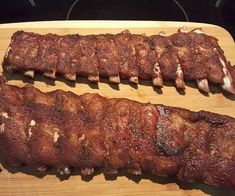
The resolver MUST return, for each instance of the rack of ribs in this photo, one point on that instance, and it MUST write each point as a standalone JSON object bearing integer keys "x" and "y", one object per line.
{"x": 183, "y": 56}
{"x": 63, "y": 130}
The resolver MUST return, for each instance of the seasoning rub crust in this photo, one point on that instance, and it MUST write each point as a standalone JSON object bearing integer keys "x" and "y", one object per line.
{"x": 60, "y": 129}
{"x": 182, "y": 56}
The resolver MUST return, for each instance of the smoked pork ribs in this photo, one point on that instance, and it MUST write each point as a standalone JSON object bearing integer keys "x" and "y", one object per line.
{"x": 63, "y": 130}
{"x": 183, "y": 56}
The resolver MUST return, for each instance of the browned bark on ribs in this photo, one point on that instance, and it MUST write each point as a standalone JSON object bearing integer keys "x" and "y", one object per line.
{"x": 185, "y": 55}
{"x": 63, "y": 130}
{"x": 107, "y": 56}
{"x": 198, "y": 57}
{"x": 86, "y": 60}
{"x": 126, "y": 50}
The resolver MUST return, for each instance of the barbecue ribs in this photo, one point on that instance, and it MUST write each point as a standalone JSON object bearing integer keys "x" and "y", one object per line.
{"x": 60, "y": 129}
{"x": 183, "y": 56}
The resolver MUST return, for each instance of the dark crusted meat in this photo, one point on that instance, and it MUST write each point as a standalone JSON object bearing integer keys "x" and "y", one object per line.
{"x": 182, "y": 56}
{"x": 60, "y": 129}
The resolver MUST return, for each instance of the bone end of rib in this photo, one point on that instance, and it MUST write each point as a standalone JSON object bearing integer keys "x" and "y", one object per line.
{"x": 87, "y": 171}
{"x": 71, "y": 77}
{"x": 162, "y": 33}
{"x": 198, "y": 30}
{"x": 179, "y": 83}
{"x": 41, "y": 169}
{"x": 227, "y": 84}
{"x": 29, "y": 74}
{"x": 93, "y": 78}
{"x": 157, "y": 81}
{"x": 135, "y": 171}
{"x": 203, "y": 85}
{"x": 134, "y": 79}
{"x": 227, "y": 79}
{"x": 126, "y": 31}
{"x": 49, "y": 74}
{"x": 114, "y": 79}
{"x": 64, "y": 171}
{"x": 183, "y": 29}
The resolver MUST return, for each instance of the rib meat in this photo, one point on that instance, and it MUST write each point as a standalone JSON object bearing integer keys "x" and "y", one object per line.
{"x": 60, "y": 129}
{"x": 185, "y": 55}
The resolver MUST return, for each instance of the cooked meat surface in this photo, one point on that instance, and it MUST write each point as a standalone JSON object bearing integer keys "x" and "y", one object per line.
{"x": 60, "y": 129}
{"x": 183, "y": 56}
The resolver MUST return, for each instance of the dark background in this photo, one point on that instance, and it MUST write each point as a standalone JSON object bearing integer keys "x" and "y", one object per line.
{"x": 197, "y": 11}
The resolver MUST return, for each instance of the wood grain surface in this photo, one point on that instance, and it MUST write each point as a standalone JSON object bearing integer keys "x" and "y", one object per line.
{"x": 23, "y": 181}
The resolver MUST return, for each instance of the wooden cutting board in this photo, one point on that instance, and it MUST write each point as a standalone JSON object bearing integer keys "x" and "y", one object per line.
{"x": 24, "y": 181}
